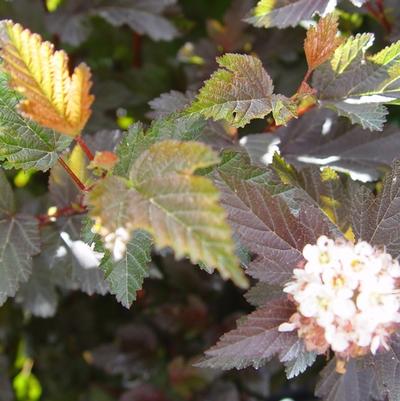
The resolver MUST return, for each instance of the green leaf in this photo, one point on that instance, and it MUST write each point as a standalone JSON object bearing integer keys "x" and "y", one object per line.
{"x": 303, "y": 360}
{"x": 369, "y": 116}
{"x": 23, "y": 143}
{"x": 356, "y": 85}
{"x": 132, "y": 145}
{"x": 283, "y": 109}
{"x": 126, "y": 276}
{"x": 7, "y": 202}
{"x": 38, "y": 295}
{"x": 240, "y": 91}
{"x": 166, "y": 198}
{"x": 19, "y": 241}
{"x": 138, "y": 139}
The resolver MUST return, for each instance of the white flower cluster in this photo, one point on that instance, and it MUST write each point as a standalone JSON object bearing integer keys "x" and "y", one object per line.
{"x": 347, "y": 297}
{"x": 116, "y": 242}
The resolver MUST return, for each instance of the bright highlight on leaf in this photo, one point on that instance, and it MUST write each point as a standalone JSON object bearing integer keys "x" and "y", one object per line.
{"x": 23, "y": 143}
{"x": 52, "y": 97}
{"x": 322, "y": 41}
{"x": 285, "y": 13}
{"x": 166, "y": 198}
{"x": 240, "y": 91}
{"x": 356, "y": 85}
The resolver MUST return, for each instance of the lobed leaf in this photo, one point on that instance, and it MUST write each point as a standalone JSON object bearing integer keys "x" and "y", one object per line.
{"x": 255, "y": 340}
{"x": 52, "y": 97}
{"x": 78, "y": 263}
{"x": 356, "y": 384}
{"x": 19, "y": 241}
{"x": 376, "y": 219}
{"x": 165, "y": 198}
{"x": 138, "y": 140}
{"x": 38, "y": 295}
{"x": 126, "y": 276}
{"x": 142, "y": 16}
{"x": 23, "y": 143}
{"x": 284, "y": 13}
{"x": 303, "y": 360}
{"x": 240, "y": 91}
{"x": 356, "y": 85}
{"x": 322, "y": 41}
{"x": 266, "y": 226}
{"x": 321, "y": 138}
{"x": 71, "y": 20}
{"x": 386, "y": 366}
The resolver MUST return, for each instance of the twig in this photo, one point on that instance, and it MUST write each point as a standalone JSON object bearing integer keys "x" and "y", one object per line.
{"x": 74, "y": 177}
{"x": 304, "y": 82}
{"x": 137, "y": 50}
{"x": 81, "y": 142}
{"x": 67, "y": 211}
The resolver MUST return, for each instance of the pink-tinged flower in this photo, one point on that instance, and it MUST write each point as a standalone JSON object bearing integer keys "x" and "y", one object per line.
{"x": 347, "y": 298}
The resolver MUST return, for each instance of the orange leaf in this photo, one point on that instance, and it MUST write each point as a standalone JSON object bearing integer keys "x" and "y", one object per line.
{"x": 52, "y": 97}
{"x": 322, "y": 41}
{"x": 104, "y": 161}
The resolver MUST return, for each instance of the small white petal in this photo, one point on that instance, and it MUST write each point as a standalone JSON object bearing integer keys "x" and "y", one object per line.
{"x": 285, "y": 327}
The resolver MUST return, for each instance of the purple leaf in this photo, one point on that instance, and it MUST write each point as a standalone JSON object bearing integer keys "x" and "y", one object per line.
{"x": 256, "y": 339}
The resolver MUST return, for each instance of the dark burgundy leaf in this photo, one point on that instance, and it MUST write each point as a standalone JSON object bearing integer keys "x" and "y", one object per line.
{"x": 256, "y": 339}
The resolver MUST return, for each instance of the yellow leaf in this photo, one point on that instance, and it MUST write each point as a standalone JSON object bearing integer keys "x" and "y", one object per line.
{"x": 52, "y": 97}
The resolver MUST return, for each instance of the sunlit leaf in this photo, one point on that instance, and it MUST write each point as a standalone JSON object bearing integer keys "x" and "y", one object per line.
{"x": 126, "y": 276}
{"x": 52, "y": 97}
{"x": 23, "y": 143}
{"x": 356, "y": 85}
{"x": 284, "y": 13}
{"x": 166, "y": 198}
{"x": 238, "y": 92}
{"x": 322, "y": 41}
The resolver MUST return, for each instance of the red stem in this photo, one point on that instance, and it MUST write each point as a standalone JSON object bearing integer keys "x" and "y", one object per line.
{"x": 81, "y": 142}
{"x": 137, "y": 50}
{"x": 304, "y": 81}
{"x": 379, "y": 14}
{"x": 74, "y": 177}
{"x": 67, "y": 211}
